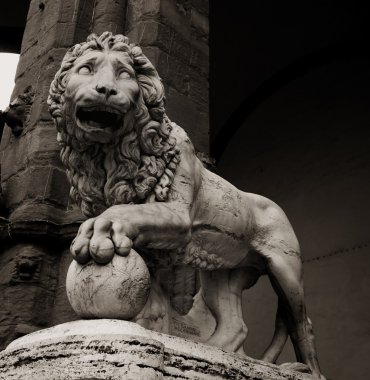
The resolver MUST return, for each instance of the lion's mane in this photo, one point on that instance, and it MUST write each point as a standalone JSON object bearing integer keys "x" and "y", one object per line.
{"x": 139, "y": 164}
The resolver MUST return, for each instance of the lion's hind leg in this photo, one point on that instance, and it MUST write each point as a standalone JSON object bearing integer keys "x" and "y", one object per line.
{"x": 279, "y": 339}
{"x": 222, "y": 293}
{"x": 285, "y": 272}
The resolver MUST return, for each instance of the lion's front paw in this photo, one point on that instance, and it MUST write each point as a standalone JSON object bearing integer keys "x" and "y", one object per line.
{"x": 100, "y": 239}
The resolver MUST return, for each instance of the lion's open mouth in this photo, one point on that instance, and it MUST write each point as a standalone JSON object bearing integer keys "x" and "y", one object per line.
{"x": 99, "y": 117}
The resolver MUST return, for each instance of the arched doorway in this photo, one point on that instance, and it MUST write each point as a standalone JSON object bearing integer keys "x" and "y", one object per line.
{"x": 306, "y": 146}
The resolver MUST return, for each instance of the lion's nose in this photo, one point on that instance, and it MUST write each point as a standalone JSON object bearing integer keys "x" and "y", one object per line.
{"x": 106, "y": 89}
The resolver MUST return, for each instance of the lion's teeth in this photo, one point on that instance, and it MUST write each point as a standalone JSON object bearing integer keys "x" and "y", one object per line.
{"x": 102, "y": 109}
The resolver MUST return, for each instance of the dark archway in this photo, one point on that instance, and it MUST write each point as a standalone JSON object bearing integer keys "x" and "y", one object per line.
{"x": 347, "y": 50}
{"x": 306, "y": 147}
{"x": 258, "y": 47}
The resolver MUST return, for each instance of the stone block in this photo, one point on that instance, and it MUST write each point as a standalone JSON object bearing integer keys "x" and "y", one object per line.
{"x": 146, "y": 33}
{"x": 85, "y": 13}
{"x": 37, "y": 7}
{"x": 57, "y": 188}
{"x": 108, "y": 15}
{"x": 62, "y": 310}
{"x": 43, "y": 148}
{"x": 30, "y": 70}
{"x": 40, "y": 110}
{"x": 192, "y": 120}
{"x": 137, "y": 11}
{"x": 180, "y": 48}
{"x": 25, "y": 185}
{"x": 199, "y": 22}
{"x": 198, "y": 91}
{"x": 199, "y": 61}
{"x": 187, "y": 21}
{"x": 113, "y": 349}
{"x": 184, "y": 79}
{"x": 5, "y": 139}
{"x": 39, "y": 76}
{"x": 173, "y": 72}
{"x": 56, "y": 26}
{"x": 38, "y": 25}
{"x": 152, "y": 53}
{"x": 37, "y": 184}
{"x": 170, "y": 29}
{"x": 20, "y": 178}
{"x": 28, "y": 277}
{"x": 176, "y": 16}
{"x": 15, "y": 153}
{"x": 152, "y": 33}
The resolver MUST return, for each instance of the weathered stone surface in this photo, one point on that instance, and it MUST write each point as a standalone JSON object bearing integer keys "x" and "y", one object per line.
{"x": 62, "y": 310}
{"x": 28, "y": 278}
{"x": 118, "y": 289}
{"x": 174, "y": 34}
{"x": 109, "y": 15}
{"x": 40, "y": 184}
{"x": 194, "y": 118}
{"x": 112, "y": 349}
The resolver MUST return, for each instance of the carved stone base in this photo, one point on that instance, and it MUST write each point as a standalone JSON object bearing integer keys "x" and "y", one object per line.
{"x": 115, "y": 350}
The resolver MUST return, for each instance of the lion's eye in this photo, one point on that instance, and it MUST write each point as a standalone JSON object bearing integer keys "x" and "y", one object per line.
{"x": 124, "y": 75}
{"x": 84, "y": 70}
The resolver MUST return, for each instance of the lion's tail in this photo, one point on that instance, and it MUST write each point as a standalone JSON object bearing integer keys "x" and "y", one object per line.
{"x": 279, "y": 339}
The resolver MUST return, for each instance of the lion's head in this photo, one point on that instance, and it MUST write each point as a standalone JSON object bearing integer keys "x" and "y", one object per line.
{"x": 108, "y": 104}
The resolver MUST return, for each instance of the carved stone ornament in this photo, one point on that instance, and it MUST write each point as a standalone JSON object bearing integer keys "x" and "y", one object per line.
{"x": 27, "y": 266}
{"x": 16, "y": 113}
{"x": 137, "y": 178}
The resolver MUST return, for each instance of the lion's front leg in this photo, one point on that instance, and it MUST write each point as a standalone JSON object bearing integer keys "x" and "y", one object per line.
{"x": 121, "y": 227}
{"x": 222, "y": 292}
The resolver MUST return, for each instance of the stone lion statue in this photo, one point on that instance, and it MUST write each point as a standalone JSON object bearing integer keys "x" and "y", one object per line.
{"x": 136, "y": 176}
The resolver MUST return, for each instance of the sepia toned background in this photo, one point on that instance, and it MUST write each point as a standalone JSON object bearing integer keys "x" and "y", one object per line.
{"x": 276, "y": 93}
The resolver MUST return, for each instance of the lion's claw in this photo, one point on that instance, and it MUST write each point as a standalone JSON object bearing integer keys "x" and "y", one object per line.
{"x": 100, "y": 239}
{"x": 122, "y": 243}
{"x": 80, "y": 250}
{"x": 101, "y": 249}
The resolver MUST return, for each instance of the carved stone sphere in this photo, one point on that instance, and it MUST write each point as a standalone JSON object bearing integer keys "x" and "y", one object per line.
{"x": 117, "y": 290}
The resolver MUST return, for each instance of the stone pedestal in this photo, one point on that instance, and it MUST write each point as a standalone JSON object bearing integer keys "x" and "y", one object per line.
{"x": 115, "y": 350}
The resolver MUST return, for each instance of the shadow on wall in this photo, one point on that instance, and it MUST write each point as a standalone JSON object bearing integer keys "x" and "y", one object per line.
{"x": 307, "y": 147}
